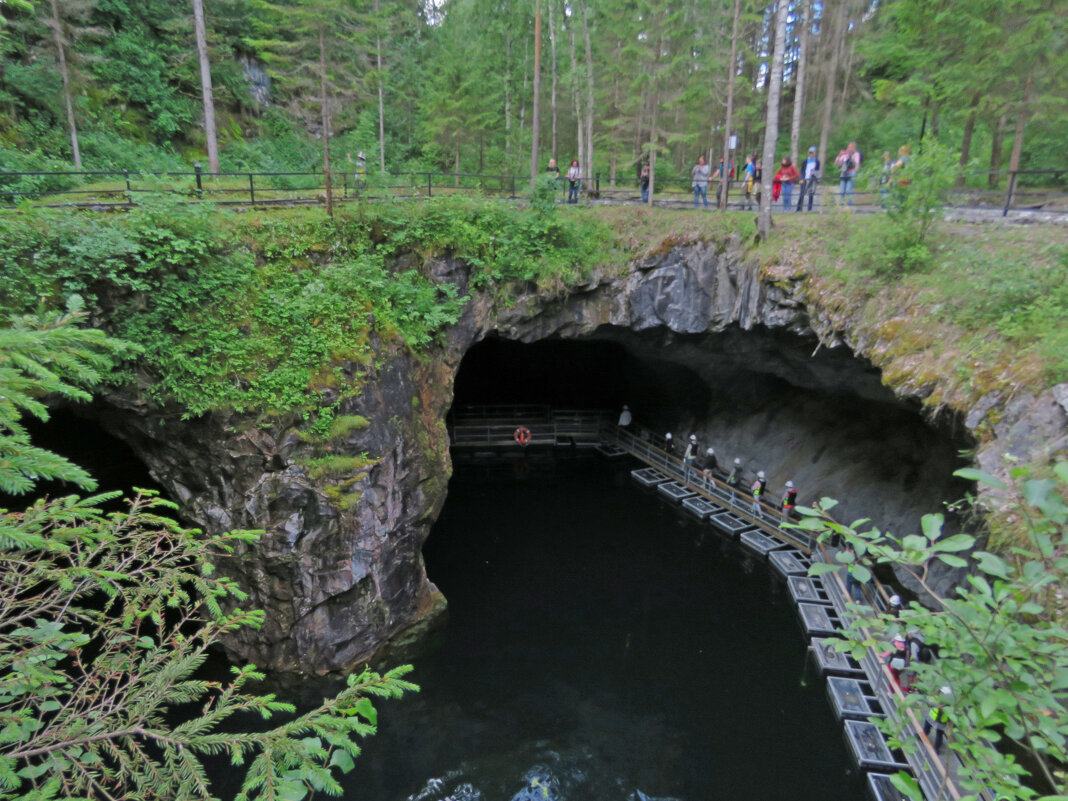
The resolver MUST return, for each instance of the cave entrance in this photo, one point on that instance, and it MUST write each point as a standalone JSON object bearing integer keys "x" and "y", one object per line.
{"x": 819, "y": 417}
{"x": 599, "y": 642}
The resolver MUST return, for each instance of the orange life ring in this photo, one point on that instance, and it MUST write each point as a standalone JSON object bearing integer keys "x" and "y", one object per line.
{"x": 522, "y": 435}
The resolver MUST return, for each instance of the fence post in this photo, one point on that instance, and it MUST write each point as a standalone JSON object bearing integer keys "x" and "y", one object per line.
{"x": 1008, "y": 197}
{"x": 200, "y": 187}
{"x": 597, "y": 183}
{"x": 251, "y": 189}
{"x": 428, "y": 180}
{"x": 513, "y": 189}
{"x": 129, "y": 193}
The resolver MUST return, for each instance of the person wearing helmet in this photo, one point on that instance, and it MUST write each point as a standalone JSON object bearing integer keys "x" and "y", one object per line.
{"x": 938, "y": 718}
{"x": 734, "y": 478}
{"x": 789, "y": 500}
{"x": 669, "y": 443}
{"x": 708, "y": 463}
{"x": 897, "y": 660}
{"x": 919, "y": 650}
{"x": 760, "y": 484}
{"x": 893, "y": 607}
{"x": 689, "y": 456}
{"x": 625, "y": 417}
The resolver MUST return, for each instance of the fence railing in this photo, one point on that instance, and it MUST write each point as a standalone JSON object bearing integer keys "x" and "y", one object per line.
{"x": 1019, "y": 191}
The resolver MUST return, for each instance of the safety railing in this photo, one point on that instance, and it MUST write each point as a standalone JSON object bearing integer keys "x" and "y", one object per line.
{"x": 492, "y": 425}
{"x": 1020, "y": 191}
{"x": 649, "y": 447}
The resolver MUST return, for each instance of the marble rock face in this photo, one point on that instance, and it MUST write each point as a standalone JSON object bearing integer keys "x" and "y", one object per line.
{"x": 341, "y": 582}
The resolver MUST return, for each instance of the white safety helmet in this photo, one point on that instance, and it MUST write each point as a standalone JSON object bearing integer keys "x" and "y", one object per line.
{"x": 947, "y": 690}
{"x": 789, "y": 485}
{"x": 899, "y": 638}
{"x": 710, "y": 451}
{"x": 693, "y": 438}
{"x": 737, "y": 462}
{"x": 895, "y": 600}
{"x": 760, "y": 474}
{"x": 667, "y": 435}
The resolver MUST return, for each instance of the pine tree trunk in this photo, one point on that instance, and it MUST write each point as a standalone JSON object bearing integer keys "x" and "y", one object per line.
{"x": 832, "y": 73}
{"x": 655, "y": 113}
{"x": 381, "y": 96}
{"x": 535, "y": 117}
{"x": 508, "y": 100}
{"x": 730, "y": 106}
{"x": 68, "y": 98}
{"x": 325, "y": 108}
{"x": 771, "y": 126}
{"x": 966, "y": 139}
{"x": 588, "y": 168}
{"x": 1021, "y": 125}
{"x": 799, "y": 86}
{"x": 576, "y": 96}
{"x": 994, "y": 179}
{"x": 652, "y": 143}
{"x": 523, "y": 94}
{"x": 552, "y": 55}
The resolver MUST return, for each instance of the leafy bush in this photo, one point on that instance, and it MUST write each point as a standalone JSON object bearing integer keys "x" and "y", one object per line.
{"x": 917, "y": 194}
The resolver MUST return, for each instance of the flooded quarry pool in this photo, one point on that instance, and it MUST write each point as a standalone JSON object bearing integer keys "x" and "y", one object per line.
{"x": 599, "y": 645}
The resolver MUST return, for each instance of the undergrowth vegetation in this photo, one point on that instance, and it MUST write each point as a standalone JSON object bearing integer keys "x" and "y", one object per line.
{"x": 987, "y": 310}
{"x": 260, "y": 311}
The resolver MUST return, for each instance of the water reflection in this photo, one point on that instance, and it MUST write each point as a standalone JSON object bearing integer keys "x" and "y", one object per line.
{"x": 599, "y": 646}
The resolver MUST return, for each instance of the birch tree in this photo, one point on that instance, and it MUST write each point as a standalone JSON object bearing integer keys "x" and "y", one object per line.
{"x": 771, "y": 124}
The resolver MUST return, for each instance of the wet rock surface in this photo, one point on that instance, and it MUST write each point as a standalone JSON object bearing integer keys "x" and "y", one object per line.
{"x": 339, "y": 569}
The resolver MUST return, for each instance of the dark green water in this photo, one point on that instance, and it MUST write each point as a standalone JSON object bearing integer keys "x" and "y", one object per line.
{"x": 602, "y": 644}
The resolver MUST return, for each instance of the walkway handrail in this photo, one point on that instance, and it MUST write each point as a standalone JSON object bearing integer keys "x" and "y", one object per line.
{"x": 930, "y": 770}
{"x": 712, "y": 488}
{"x": 196, "y": 185}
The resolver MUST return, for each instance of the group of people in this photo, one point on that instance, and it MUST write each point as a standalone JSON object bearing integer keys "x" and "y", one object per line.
{"x": 806, "y": 177}
{"x": 704, "y": 462}
{"x": 907, "y": 652}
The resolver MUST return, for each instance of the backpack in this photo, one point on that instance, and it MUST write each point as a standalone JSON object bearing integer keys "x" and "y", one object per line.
{"x": 849, "y": 165}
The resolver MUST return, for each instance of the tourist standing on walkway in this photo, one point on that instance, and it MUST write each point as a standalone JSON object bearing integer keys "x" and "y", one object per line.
{"x": 938, "y": 718}
{"x": 898, "y": 661}
{"x": 734, "y": 478}
{"x": 669, "y": 443}
{"x": 810, "y": 176}
{"x": 708, "y": 464}
{"x": 689, "y": 456}
{"x": 643, "y": 182}
{"x": 625, "y": 417}
{"x": 574, "y": 181}
{"x": 789, "y": 500}
{"x": 760, "y": 484}
{"x": 699, "y": 174}
{"x": 848, "y": 162}
{"x": 748, "y": 179}
{"x": 787, "y": 176}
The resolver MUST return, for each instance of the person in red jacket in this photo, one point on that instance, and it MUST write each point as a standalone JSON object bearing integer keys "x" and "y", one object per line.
{"x": 787, "y": 176}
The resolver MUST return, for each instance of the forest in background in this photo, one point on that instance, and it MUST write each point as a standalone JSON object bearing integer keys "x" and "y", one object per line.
{"x": 116, "y": 84}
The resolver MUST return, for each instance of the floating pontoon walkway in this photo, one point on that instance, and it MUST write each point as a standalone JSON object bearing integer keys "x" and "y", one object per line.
{"x": 858, "y": 691}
